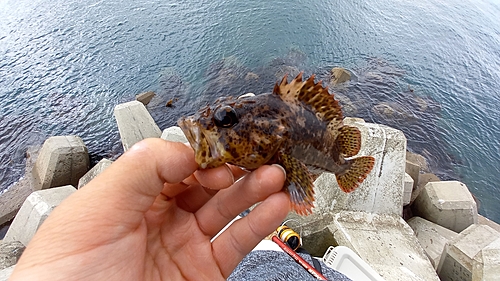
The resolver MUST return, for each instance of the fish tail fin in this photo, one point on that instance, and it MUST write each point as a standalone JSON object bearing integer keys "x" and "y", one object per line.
{"x": 298, "y": 184}
{"x": 356, "y": 173}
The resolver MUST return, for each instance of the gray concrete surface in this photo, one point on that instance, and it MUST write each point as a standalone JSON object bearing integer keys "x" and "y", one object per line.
{"x": 174, "y": 134}
{"x": 407, "y": 189}
{"x": 464, "y": 252}
{"x": 386, "y": 243}
{"x": 135, "y": 123}
{"x": 432, "y": 237}
{"x": 34, "y": 211}
{"x": 10, "y": 252}
{"x": 382, "y": 191}
{"x": 486, "y": 264}
{"x": 447, "y": 203}
{"x": 6, "y": 273}
{"x": 423, "y": 179}
{"x": 96, "y": 170}
{"x": 12, "y": 199}
{"x": 413, "y": 170}
{"x": 62, "y": 160}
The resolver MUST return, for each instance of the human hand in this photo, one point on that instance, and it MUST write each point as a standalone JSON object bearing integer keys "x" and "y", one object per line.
{"x": 151, "y": 215}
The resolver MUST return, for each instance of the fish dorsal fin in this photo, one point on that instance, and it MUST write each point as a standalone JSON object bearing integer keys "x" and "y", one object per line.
{"x": 314, "y": 95}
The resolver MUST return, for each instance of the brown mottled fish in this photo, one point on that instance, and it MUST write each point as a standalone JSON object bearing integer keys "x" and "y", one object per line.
{"x": 298, "y": 126}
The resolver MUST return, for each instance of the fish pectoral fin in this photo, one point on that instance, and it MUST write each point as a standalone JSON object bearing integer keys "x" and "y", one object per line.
{"x": 298, "y": 184}
{"x": 356, "y": 173}
{"x": 349, "y": 141}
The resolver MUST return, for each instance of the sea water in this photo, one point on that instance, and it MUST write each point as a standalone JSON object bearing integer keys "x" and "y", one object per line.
{"x": 430, "y": 68}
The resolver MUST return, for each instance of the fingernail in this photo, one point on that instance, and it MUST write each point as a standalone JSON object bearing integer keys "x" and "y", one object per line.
{"x": 230, "y": 173}
{"x": 279, "y": 166}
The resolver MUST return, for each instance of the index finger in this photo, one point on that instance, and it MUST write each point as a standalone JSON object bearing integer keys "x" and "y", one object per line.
{"x": 138, "y": 176}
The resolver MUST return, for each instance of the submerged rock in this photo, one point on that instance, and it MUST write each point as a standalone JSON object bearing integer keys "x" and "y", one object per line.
{"x": 145, "y": 97}
{"x": 340, "y": 75}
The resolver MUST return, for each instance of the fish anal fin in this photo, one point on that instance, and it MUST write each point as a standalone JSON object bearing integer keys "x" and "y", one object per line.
{"x": 349, "y": 141}
{"x": 356, "y": 173}
{"x": 298, "y": 184}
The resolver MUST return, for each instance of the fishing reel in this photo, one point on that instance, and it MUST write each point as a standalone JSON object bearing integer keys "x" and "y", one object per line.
{"x": 289, "y": 236}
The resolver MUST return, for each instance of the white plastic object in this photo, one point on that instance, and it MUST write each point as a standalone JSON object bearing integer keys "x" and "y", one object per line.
{"x": 347, "y": 262}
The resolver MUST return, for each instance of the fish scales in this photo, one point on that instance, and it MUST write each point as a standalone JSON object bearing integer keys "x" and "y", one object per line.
{"x": 298, "y": 126}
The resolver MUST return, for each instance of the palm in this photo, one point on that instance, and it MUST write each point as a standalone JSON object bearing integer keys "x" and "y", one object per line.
{"x": 144, "y": 220}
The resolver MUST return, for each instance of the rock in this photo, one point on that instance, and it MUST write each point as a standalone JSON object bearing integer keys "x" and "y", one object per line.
{"x": 96, "y": 170}
{"x": 251, "y": 76}
{"x": 340, "y": 75}
{"x": 292, "y": 72}
{"x": 135, "y": 123}
{"x": 382, "y": 191}
{"x": 419, "y": 160}
{"x": 63, "y": 160}
{"x": 348, "y": 106}
{"x": 394, "y": 112}
{"x": 422, "y": 104}
{"x": 384, "y": 110}
{"x": 432, "y": 237}
{"x": 449, "y": 204}
{"x": 34, "y": 211}
{"x": 407, "y": 189}
{"x": 145, "y": 98}
{"x": 464, "y": 254}
{"x": 174, "y": 134}
{"x": 385, "y": 242}
{"x": 10, "y": 252}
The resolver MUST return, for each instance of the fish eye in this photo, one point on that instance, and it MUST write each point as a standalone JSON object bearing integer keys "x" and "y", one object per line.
{"x": 225, "y": 117}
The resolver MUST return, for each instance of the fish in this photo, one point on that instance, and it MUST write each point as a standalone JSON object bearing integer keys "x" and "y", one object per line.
{"x": 299, "y": 125}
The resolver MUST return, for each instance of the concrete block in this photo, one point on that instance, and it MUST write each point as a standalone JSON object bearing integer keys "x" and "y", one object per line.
{"x": 485, "y": 221}
{"x": 407, "y": 189}
{"x": 10, "y": 252}
{"x": 447, "y": 203}
{"x": 432, "y": 237}
{"x": 145, "y": 98}
{"x": 62, "y": 160}
{"x": 386, "y": 243}
{"x": 413, "y": 170}
{"x": 96, "y": 170}
{"x": 12, "y": 199}
{"x": 175, "y": 134}
{"x": 465, "y": 252}
{"x": 6, "y": 273}
{"x": 382, "y": 190}
{"x": 486, "y": 264}
{"x": 423, "y": 179}
{"x": 135, "y": 123}
{"x": 34, "y": 211}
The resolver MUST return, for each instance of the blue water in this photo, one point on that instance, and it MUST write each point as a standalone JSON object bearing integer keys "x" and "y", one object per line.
{"x": 64, "y": 65}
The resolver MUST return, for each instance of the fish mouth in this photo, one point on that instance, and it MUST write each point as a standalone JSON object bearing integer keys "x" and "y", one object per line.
{"x": 208, "y": 151}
